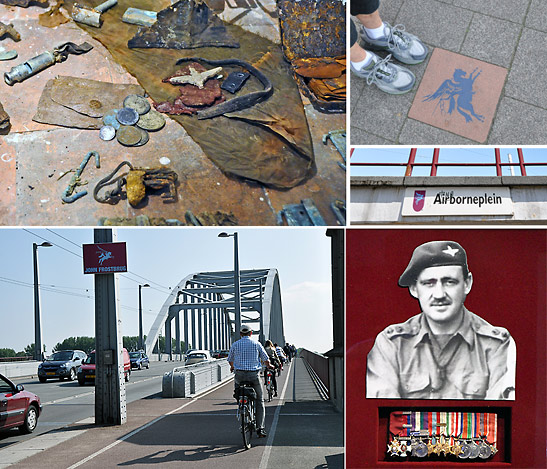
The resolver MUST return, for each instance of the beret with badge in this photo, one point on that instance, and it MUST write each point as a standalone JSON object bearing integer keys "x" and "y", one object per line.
{"x": 433, "y": 254}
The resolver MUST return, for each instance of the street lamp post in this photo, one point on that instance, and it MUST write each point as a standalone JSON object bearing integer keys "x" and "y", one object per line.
{"x": 37, "y": 318}
{"x": 237, "y": 291}
{"x": 141, "y": 341}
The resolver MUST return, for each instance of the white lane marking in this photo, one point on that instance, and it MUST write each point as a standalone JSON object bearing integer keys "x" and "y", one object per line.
{"x": 269, "y": 443}
{"x": 76, "y": 396}
{"x": 137, "y": 430}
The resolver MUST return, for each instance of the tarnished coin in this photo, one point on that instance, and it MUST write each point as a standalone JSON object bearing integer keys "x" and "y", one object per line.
{"x": 140, "y": 104}
{"x": 127, "y": 116}
{"x": 144, "y": 138}
{"x": 107, "y": 132}
{"x": 128, "y": 135}
{"x": 110, "y": 119}
{"x": 152, "y": 120}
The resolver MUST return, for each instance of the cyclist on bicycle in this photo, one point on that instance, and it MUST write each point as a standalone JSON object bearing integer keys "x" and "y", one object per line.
{"x": 280, "y": 354}
{"x": 246, "y": 357}
{"x": 274, "y": 361}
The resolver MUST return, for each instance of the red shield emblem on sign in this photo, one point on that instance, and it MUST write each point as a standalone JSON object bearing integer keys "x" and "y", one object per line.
{"x": 419, "y": 200}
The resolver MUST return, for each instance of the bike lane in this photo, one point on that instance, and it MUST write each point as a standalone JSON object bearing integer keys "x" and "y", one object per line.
{"x": 198, "y": 432}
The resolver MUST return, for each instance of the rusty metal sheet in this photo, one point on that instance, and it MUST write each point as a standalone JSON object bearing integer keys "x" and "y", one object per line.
{"x": 91, "y": 97}
{"x": 79, "y": 102}
{"x": 188, "y": 24}
{"x": 245, "y": 148}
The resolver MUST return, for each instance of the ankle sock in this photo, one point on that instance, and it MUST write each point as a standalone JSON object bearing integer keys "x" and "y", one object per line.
{"x": 376, "y": 32}
{"x": 363, "y": 63}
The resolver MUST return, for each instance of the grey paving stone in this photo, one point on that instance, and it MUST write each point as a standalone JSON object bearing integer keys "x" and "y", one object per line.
{"x": 361, "y": 137}
{"x": 357, "y": 85}
{"x": 492, "y": 40}
{"x": 526, "y": 80}
{"x": 418, "y": 133}
{"x": 518, "y": 124}
{"x": 512, "y": 10}
{"x": 537, "y": 15}
{"x": 380, "y": 113}
{"x": 435, "y": 23}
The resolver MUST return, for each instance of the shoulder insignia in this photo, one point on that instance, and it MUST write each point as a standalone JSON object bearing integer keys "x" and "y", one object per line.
{"x": 499, "y": 333}
{"x": 409, "y": 327}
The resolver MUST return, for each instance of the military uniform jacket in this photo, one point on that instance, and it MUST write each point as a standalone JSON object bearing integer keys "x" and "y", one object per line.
{"x": 404, "y": 362}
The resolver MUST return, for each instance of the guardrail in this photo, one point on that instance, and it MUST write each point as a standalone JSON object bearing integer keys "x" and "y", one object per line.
{"x": 319, "y": 364}
{"x": 186, "y": 381}
{"x": 16, "y": 359}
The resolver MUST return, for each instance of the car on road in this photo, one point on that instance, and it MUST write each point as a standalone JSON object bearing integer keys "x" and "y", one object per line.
{"x": 62, "y": 364}
{"x": 86, "y": 372}
{"x": 219, "y": 353}
{"x": 139, "y": 360}
{"x": 18, "y": 408}
{"x": 197, "y": 356}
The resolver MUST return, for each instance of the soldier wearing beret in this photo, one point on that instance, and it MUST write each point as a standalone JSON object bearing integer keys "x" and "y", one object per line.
{"x": 446, "y": 351}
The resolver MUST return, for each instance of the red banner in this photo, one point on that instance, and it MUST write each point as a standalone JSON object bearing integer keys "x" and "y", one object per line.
{"x": 104, "y": 258}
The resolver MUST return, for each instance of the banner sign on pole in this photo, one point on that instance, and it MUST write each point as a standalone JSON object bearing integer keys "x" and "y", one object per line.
{"x": 105, "y": 258}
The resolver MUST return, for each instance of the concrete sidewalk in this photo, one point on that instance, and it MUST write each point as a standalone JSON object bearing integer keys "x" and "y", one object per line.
{"x": 503, "y": 33}
{"x": 303, "y": 432}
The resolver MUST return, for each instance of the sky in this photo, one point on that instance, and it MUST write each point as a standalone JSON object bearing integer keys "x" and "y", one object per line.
{"x": 161, "y": 257}
{"x": 446, "y": 155}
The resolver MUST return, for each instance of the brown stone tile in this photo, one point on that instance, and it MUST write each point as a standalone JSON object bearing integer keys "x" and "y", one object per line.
{"x": 459, "y": 94}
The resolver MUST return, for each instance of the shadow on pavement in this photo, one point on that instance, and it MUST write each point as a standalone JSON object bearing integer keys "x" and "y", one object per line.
{"x": 195, "y": 454}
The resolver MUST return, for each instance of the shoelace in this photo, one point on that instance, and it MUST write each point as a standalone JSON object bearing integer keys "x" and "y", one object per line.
{"x": 397, "y": 38}
{"x": 382, "y": 66}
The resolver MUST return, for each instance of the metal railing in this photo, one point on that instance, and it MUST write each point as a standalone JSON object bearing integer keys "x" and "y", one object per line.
{"x": 435, "y": 164}
{"x": 16, "y": 359}
{"x": 319, "y": 364}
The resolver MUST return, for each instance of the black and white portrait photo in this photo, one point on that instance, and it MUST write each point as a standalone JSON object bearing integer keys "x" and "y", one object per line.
{"x": 446, "y": 351}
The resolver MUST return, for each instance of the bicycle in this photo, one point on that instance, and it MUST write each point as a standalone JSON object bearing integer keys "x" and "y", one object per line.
{"x": 269, "y": 382}
{"x": 246, "y": 397}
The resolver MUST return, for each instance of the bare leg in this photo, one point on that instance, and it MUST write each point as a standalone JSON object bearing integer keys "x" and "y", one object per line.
{"x": 371, "y": 21}
{"x": 357, "y": 53}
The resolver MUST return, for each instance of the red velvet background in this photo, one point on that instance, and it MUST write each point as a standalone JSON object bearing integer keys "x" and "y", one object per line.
{"x": 509, "y": 268}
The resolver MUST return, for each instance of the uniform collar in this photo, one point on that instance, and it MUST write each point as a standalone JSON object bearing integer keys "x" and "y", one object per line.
{"x": 466, "y": 331}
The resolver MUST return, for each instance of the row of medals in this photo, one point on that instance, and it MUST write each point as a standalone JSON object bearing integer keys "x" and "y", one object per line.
{"x": 422, "y": 447}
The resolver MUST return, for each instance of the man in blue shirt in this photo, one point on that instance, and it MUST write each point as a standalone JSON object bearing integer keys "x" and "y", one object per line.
{"x": 246, "y": 357}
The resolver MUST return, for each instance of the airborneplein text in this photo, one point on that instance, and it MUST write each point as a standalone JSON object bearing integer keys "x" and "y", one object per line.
{"x": 448, "y": 198}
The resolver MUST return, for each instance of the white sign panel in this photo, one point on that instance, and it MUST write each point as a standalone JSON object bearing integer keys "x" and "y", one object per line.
{"x": 439, "y": 201}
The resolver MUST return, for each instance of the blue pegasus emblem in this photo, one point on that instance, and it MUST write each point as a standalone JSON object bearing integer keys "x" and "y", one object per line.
{"x": 458, "y": 94}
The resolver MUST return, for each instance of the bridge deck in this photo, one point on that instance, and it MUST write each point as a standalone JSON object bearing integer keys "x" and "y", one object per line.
{"x": 303, "y": 431}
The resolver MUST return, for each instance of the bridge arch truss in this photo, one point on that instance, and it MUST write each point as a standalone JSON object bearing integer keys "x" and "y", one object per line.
{"x": 205, "y": 302}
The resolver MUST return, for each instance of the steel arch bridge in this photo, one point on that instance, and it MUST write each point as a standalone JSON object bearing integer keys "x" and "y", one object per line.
{"x": 207, "y": 302}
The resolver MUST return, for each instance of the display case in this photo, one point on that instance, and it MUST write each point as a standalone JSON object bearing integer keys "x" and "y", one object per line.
{"x": 508, "y": 293}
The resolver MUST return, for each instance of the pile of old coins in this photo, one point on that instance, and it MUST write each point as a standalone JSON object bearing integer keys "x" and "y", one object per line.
{"x": 420, "y": 447}
{"x": 131, "y": 124}
{"x": 465, "y": 435}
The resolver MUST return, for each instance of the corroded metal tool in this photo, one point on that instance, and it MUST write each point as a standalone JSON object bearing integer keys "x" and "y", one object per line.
{"x": 91, "y": 16}
{"x": 40, "y": 62}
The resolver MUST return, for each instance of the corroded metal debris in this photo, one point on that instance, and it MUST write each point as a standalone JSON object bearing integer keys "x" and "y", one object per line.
{"x": 32, "y": 66}
{"x": 54, "y": 16}
{"x": 81, "y": 103}
{"x": 313, "y": 35}
{"x": 187, "y": 24}
{"x": 9, "y": 30}
{"x": 136, "y": 182}
{"x": 19, "y": 3}
{"x": 4, "y": 119}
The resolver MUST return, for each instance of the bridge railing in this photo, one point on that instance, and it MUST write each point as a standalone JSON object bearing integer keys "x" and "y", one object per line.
{"x": 319, "y": 364}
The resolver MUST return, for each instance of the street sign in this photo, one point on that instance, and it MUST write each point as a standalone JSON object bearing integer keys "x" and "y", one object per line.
{"x": 439, "y": 201}
{"x": 105, "y": 258}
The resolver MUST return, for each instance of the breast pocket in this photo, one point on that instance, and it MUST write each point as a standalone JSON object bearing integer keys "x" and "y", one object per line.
{"x": 474, "y": 387}
{"x": 414, "y": 385}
